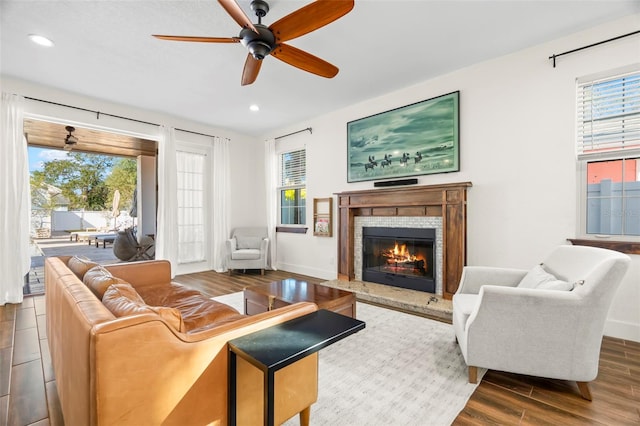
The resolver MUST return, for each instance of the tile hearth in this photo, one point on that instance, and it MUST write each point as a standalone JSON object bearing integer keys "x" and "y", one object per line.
{"x": 418, "y": 302}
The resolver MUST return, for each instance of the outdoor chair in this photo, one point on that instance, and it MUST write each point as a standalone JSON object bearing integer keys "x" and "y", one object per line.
{"x": 127, "y": 248}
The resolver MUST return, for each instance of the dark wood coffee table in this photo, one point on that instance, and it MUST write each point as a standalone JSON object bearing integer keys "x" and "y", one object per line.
{"x": 266, "y": 297}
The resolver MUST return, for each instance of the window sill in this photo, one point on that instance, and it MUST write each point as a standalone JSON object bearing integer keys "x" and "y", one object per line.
{"x": 627, "y": 247}
{"x": 292, "y": 229}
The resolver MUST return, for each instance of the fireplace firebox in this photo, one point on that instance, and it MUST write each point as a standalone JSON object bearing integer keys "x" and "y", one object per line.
{"x": 400, "y": 257}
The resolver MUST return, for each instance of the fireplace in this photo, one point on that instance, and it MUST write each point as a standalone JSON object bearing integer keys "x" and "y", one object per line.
{"x": 400, "y": 257}
{"x": 447, "y": 202}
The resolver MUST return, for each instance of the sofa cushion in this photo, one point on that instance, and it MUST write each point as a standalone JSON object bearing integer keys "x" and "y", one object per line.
{"x": 197, "y": 310}
{"x": 246, "y": 254}
{"x": 98, "y": 279}
{"x": 79, "y": 265}
{"x": 248, "y": 242}
{"x": 122, "y": 300}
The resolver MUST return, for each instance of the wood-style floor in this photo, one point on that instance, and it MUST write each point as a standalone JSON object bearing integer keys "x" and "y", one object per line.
{"x": 28, "y": 393}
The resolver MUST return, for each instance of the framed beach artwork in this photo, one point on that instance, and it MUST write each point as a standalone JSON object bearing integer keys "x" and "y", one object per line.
{"x": 417, "y": 139}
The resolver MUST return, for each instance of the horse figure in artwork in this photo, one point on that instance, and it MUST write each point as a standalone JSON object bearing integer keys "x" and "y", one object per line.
{"x": 386, "y": 161}
{"x": 371, "y": 164}
{"x": 405, "y": 158}
{"x": 418, "y": 157}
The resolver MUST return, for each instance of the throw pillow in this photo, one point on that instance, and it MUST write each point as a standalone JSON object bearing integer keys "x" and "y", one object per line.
{"x": 535, "y": 277}
{"x": 122, "y": 300}
{"x": 556, "y": 285}
{"x": 79, "y": 265}
{"x": 98, "y": 279}
{"x": 248, "y": 242}
{"x": 539, "y": 278}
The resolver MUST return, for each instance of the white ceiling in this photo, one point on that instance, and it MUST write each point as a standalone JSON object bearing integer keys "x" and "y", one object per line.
{"x": 104, "y": 49}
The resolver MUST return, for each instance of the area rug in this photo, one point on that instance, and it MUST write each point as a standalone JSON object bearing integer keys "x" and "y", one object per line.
{"x": 401, "y": 369}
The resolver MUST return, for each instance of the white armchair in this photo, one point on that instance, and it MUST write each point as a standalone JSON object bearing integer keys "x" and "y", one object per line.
{"x": 247, "y": 249}
{"x": 512, "y": 320}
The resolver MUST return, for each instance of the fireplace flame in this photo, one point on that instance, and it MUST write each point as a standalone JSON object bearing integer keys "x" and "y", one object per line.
{"x": 399, "y": 254}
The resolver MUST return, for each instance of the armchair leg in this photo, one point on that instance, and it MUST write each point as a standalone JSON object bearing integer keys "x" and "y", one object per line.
{"x": 585, "y": 392}
{"x": 473, "y": 374}
{"x": 261, "y": 271}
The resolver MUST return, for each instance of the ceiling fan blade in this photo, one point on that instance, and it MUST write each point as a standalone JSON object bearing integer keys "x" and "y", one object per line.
{"x": 251, "y": 70}
{"x": 199, "y": 39}
{"x": 305, "y": 61}
{"x": 238, "y": 15}
{"x": 310, "y": 18}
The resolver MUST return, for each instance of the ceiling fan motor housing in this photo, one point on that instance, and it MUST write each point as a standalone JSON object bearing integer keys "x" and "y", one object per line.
{"x": 259, "y": 44}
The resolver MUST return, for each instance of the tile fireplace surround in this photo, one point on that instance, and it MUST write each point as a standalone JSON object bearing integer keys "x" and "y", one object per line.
{"x": 441, "y": 205}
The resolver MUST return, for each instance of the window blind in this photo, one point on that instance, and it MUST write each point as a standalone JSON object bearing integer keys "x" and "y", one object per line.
{"x": 293, "y": 168}
{"x": 608, "y": 115}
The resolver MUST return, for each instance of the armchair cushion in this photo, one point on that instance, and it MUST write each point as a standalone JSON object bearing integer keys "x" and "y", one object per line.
{"x": 245, "y": 254}
{"x": 245, "y": 242}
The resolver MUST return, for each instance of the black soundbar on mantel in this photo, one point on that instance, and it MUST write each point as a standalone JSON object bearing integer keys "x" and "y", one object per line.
{"x": 395, "y": 182}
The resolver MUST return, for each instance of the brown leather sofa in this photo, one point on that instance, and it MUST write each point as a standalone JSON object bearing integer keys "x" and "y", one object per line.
{"x": 160, "y": 361}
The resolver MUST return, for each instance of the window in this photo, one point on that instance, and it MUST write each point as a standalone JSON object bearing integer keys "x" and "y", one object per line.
{"x": 191, "y": 204}
{"x": 293, "y": 193}
{"x": 608, "y": 148}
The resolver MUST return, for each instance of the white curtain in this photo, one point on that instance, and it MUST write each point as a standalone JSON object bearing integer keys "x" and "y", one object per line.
{"x": 15, "y": 213}
{"x": 271, "y": 182}
{"x": 221, "y": 194}
{"x": 167, "y": 238}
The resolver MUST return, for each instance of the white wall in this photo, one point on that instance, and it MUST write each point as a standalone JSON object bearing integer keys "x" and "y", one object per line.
{"x": 517, "y": 119}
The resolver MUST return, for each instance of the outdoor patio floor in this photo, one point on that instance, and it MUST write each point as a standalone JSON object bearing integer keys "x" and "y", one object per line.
{"x": 60, "y": 245}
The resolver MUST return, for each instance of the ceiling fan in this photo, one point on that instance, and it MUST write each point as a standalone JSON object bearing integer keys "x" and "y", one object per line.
{"x": 263, "y": 41}
{"x": 70, "y": 140}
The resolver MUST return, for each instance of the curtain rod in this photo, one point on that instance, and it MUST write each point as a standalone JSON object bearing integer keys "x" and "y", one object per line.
{"x": 98, "y": 114}
{"x": 295, "y": 133}
{"x": 554, "y": 56}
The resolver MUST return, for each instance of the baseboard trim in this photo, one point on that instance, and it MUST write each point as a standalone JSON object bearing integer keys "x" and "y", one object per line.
{"x": 622, "y": 330}
{"x": 305, "y": 270}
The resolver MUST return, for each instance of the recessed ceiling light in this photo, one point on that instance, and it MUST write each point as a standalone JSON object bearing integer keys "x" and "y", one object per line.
{"x": 41, "y": 40}
{"x": 254, "y": 108}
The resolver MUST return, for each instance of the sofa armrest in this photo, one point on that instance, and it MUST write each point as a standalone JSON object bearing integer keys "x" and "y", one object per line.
{"x": 474, "y": 277}
{"x": 231, "y": 245}
{"x": 264, "y": 244}
{"x": 140, "y": 274}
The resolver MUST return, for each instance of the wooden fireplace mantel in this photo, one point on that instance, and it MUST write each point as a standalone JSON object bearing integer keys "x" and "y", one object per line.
{"x": 448, "y": 201}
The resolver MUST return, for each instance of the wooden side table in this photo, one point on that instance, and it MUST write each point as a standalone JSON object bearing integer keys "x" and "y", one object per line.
{"x": 282, "y": 345}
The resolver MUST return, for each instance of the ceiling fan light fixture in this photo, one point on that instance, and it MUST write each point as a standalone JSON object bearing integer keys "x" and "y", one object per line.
{"x": 259, "y": 49}
{"x": 70, "y": 140}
